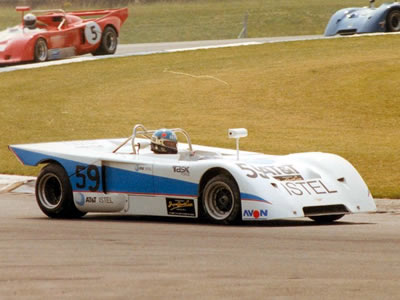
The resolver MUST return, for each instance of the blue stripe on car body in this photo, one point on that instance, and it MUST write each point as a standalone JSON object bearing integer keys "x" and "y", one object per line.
{"x": 122, "y": 181}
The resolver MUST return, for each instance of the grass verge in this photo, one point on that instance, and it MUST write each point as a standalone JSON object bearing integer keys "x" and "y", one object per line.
{"x": 339, "y": 96}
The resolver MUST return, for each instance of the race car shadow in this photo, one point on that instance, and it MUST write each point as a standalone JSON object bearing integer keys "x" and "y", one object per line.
{"x": 299, "y": 222}
{"x": 202, "y": 222}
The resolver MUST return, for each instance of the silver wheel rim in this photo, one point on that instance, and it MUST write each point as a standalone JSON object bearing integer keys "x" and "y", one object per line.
{"x": 395, "y": 21}
{"x": 111, "y": 41}
{"x": 219, "y": 200}
{"x": 41, "y": 51}
{"x": 50, "y": 191}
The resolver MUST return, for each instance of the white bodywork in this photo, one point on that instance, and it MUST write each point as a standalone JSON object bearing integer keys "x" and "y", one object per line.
{"x": 14, "y": 33}
{"x": 271, "y": 187}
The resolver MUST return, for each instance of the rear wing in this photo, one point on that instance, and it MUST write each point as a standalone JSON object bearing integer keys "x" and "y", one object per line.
{"x": 121, "y": 13}
{"x": 24, "y": 9}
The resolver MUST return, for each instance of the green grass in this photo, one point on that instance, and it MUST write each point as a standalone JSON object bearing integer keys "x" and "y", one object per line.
{"x": 216, "y": 19}
{"x": 338, "y": 96}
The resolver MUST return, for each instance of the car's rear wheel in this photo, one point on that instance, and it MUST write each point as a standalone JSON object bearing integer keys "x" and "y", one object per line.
{"x": 326, "y": 219}
{"x": 393, "y": 21}
{"x": 108, "y": 43}
{"x": 40, "y": 52}
{"x": 221, "y": 200}
{"x": 54, "y": 193}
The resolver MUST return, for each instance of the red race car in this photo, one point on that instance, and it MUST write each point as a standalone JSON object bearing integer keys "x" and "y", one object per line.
{"x": 55, "y": 34}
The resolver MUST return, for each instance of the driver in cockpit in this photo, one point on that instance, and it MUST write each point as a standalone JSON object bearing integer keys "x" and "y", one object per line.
{"x": 164, "y": 141}
{"x": 30, "y": 21}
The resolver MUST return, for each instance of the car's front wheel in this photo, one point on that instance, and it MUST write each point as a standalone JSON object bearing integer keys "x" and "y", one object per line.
{"x": 40, "y": 52}
{"x": 108, "y": 43}
{"x": 54, "y": 193}
{"x": 393, "y": 21}
{"x": 221, "y": 200}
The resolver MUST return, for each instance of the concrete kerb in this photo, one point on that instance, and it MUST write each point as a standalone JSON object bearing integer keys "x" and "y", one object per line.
{"x": 17, "y": 183}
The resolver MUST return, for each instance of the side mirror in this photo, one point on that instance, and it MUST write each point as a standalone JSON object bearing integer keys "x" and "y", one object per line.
{"x": 371, "y": 3}
{"x": 237, "y": 133}
{"x": 144, "y": 144}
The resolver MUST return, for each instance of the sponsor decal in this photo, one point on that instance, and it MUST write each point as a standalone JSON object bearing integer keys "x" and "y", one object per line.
{"x": 268, "y": 171}
{"x": 81, "y": 200}
{"x": 255, "y": 213}
{"x": 55, "y": 54}
{"x": 90, "y": 199}
{"x": 61, "y": 53}
{"x": 309, "y": 187}
{"x": 139, "y": 168}
{"x": 181, "y": 207}
{"x": 106, "y": 200}
{"x": 181, "y": 170}
{"x": 291, "y": 180}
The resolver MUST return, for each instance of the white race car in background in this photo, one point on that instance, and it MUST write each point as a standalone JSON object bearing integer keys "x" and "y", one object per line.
{"x": 127, "y": 177}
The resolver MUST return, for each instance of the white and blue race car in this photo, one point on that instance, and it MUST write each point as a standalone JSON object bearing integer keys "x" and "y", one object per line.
{"x": 137, "y": 176}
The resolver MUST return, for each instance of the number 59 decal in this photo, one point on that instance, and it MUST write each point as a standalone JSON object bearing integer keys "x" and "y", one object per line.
{"x": 88, "y": 176}
{"x": 92, "y": 33}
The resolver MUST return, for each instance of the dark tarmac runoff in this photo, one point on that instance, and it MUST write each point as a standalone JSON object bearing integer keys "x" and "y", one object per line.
{"x": 118, "y": 257}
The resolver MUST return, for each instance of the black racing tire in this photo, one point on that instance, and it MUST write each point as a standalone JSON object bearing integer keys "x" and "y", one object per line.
{"x": 54, "y": 193}
{"x": 326, "y": 219}
{"x": 40, "y": 52}
{"x": 221, "y": 200}
{"x": 108, "y": 43}
{"x": 393, "y": 21}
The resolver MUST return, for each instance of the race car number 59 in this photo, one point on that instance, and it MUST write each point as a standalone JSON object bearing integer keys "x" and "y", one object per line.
{"x": 92, "y": 33}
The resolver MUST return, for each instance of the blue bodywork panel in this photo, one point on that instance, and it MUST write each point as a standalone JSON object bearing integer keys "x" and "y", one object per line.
{"x": 96, "y": 178}
{"x": 360, "y": 20}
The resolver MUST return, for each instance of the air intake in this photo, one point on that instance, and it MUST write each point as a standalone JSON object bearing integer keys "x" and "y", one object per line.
{"x": 347, "y": 31}
{"x": 325, "y": 210}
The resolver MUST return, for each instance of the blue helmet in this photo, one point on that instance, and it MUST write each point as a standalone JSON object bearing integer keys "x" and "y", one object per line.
{"x": 164, "y": 141}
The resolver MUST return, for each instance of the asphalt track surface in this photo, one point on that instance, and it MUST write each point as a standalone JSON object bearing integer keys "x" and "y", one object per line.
{"x": 115, "y": 257}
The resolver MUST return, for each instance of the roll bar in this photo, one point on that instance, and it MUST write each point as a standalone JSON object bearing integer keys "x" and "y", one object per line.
{"x": 139, "y": 129}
